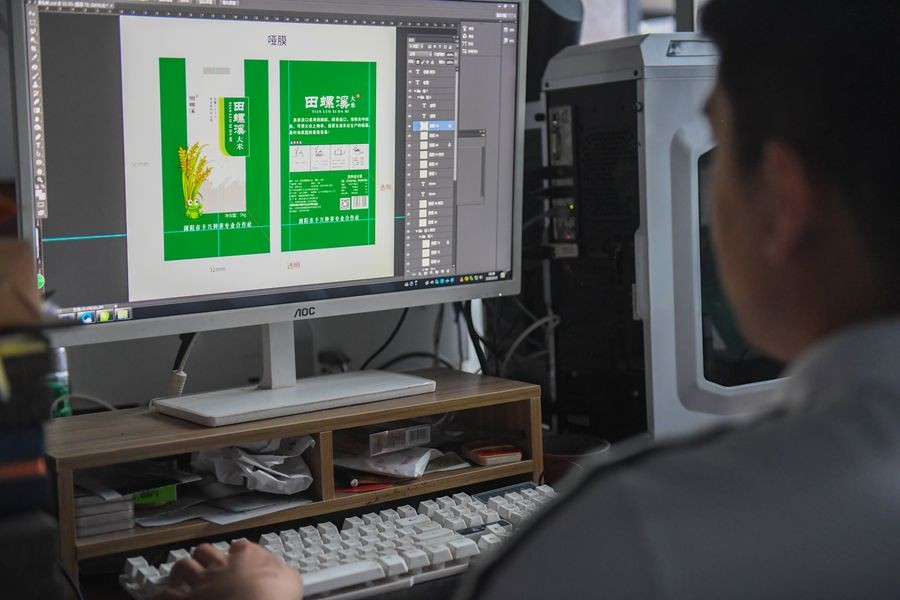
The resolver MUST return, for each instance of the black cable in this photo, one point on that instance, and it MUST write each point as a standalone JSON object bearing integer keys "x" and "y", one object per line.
{"x": 479, "y": 351}
{"x": 387, "y": 341}
{"x": 70, "y": 580}
{"x": 557, "y": 462}
{"x": 187, "y": 340}
{"x": 431, "y": 355}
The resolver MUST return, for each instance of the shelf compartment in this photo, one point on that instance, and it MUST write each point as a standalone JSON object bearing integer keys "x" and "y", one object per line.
{"x": 138, "y": 537}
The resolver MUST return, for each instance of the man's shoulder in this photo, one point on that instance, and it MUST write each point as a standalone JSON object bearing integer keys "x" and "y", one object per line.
{"x": 774, "y": 492}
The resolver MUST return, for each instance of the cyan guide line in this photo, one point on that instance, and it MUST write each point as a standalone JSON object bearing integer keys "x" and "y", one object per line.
{"x": 78, "y": 238}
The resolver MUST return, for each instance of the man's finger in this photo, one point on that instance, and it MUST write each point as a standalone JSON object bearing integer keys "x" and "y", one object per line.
{"x": 188, "y": 571}
{"x": 209, "y": 557}
{"x": 240, "y": 546}
{"x": 182, "y": 592}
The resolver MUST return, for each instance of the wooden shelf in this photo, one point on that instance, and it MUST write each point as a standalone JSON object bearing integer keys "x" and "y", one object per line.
{"x": 134, "y": 434}
{"x": 88, "y": 441}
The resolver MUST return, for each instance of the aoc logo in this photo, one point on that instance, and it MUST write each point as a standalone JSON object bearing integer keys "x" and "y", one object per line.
{"x": 305, "y": 311}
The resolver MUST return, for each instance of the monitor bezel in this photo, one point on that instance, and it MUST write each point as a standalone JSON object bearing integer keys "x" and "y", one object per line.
{"x": 276, "y": 313}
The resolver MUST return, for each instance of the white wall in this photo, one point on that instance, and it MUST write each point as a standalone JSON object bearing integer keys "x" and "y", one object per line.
{"x": 604, "y": 20}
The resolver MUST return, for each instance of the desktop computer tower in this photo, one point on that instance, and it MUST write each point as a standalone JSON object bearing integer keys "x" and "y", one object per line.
{"x": 625, "y": 140}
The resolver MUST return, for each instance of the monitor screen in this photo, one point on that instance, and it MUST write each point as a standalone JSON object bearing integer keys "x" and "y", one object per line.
{"x": 196, "y": 156}
{"x": 728, "y": 358}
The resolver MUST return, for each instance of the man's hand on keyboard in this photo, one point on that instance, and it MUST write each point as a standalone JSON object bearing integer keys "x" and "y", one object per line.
{"x": 249, "y": 572}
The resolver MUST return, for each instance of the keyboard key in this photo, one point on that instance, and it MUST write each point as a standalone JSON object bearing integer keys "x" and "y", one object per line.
{"x": 382, "y": 527}
{"x": 309, "y": 532}
{"x": 462, "y": 548}
{"x": 406, "y": 511}
{"x": 415, "y": 558}
{"x": 352, "y": 523}
{"x": 326, "y": 528}
{"x": 393, "y": 565}
{"x": 441, "y": 515}
{"x": 532, "y": 495}
{"x": 438, "y": 554}
{"x": 176, "y": 555}
{"x": 144, "y": 573}
{"x": 426, "y": 526}
{"x": 496, "y": 502}
{"x": 546, "y": 490}
{"x": 427, "y": 507}
{"x": 371, "y": 519}
{"x": 455, "y": 523}
{"x": 134, "y": 563}
{"x": 434, "y": 536}
{"x": 489, "y": 542}
{"x": 411, "y": 521}
{"x": 473, "y": 520}
{"x": 516, "y": 518}
{"x": 389, "y": 515}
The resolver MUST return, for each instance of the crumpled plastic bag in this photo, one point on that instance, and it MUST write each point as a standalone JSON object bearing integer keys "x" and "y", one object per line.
{"x": 274, "y": 466}
{"x": 409, "y": 463}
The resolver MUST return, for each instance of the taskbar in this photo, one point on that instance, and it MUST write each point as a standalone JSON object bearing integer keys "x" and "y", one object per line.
{"x": 446, "y": 280}
{"x": 111, "y": 313}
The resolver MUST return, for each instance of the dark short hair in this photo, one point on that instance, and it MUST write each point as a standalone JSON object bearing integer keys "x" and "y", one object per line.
{"x": 822, "y": 76}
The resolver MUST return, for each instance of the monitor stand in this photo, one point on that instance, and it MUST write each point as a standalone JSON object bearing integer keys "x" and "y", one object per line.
{"x": 280, "y": 393}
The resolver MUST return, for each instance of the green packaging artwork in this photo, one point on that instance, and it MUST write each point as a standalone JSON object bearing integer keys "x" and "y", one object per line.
{"x": 327, "y": 154}
{"x": 215, "y": 159}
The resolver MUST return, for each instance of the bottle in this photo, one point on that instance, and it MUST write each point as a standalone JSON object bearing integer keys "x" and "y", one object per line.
{"x": 58, "y": 382}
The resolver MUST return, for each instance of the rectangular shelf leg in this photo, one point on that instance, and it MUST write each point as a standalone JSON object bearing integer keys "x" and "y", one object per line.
{"x": 536, "y": 435}
{"x": 65, "y": 497}
{"x": 322, "y": 466}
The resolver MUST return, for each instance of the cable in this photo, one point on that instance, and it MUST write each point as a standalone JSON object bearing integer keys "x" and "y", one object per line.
{"x": 550, "y": 320}
{"x": 537, "y": 219}
{"x": 70, "y": 580}
{"x": 436, "y": 357}
{"x": 557, "y": 462}
{"x": 459, "y": 334}
{"x": 476, "y": 339}
{"x": 387, "y": 341}
{"x": 65, "y": 397}
{"x": 438, "y": 330}
{"x": 187, "y": 344}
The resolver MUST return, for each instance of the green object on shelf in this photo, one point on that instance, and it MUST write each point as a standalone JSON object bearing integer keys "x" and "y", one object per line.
{"x": 58, "y": 382}
{"x": 159, "y": 496}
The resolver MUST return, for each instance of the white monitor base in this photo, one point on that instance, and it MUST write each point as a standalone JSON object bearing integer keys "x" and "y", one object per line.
{"x": 240, "y": 405}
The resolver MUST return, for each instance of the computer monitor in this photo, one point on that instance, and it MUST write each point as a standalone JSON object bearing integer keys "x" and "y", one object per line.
{"x": 661, "y": 346}
{"x": 188, "y": 165}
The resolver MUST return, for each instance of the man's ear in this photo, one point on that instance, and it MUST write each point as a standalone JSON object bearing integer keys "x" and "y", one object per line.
{"x": 792, "y": 199}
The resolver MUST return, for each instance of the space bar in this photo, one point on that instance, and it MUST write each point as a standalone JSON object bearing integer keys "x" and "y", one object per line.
{"x": 341, "y": 576}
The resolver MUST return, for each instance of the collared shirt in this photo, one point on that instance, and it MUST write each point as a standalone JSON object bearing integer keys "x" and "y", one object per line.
{"x": 802, "y": 504}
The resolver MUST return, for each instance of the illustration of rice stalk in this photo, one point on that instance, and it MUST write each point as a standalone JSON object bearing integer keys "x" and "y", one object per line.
{"x": 194, "y": 171}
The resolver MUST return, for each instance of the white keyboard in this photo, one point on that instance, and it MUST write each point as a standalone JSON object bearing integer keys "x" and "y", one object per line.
{"x": 379, "y": 552}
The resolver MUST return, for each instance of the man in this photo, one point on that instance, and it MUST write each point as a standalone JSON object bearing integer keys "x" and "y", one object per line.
{"x": 805, "y": 503}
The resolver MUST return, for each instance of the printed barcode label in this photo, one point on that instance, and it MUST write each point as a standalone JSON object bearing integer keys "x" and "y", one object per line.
{"x": 417, "y": 436}
{"x": 360, "y": 202}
